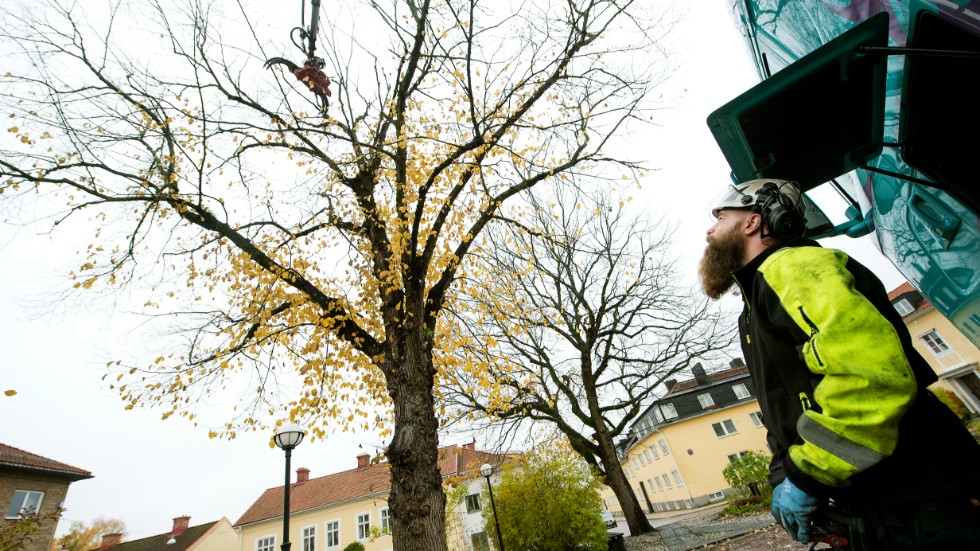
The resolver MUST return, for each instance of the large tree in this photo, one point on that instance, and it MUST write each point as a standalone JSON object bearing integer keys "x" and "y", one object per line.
{"x": 260, "y": 230}
{"x": 588, "y": 317}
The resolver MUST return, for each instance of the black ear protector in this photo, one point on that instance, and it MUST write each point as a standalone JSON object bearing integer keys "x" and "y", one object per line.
{"x": 783, "y": 216}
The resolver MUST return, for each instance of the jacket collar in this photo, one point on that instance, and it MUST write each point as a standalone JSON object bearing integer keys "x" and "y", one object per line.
{"x": 745, "y": 276}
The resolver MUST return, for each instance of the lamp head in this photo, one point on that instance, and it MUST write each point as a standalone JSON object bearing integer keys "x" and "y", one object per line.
{"x": 289, "y": 436}
{"x": 486, "y": 470}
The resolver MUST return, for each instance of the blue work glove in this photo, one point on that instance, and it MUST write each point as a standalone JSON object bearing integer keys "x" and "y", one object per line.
{"x": 792, "y": 508}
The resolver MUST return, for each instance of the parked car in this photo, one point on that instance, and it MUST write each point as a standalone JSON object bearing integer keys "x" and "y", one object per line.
{"x": 607, "y": 518}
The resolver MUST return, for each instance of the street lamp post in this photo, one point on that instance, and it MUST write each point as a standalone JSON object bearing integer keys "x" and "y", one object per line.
{"x": 287, "y": 438}
{"x": 486, "y": 470}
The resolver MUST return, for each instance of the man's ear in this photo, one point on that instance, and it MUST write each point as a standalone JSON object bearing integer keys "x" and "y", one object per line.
{"x": 753, "y": 223}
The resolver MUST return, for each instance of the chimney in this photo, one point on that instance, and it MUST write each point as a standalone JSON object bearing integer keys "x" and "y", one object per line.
{"x": 736, "y": 363}
{"x": 363, "y": 460}
{"x": 180, "y": 525}
{"x": 669, "y": 383}
{"x": 110, "y": 540}
{"x": 471, "y": 445}
{"x": 302, "y": 474}
{"x": 699, "y": 374}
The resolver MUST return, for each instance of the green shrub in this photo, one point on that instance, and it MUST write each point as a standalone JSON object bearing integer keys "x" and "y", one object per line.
{"x": 356, "y": 546}
{"x": 746, "y": 506}
{"x": 952, "y": 401}
{"x": 549, "y": 502}
{"x": 749, "y": 475}
{"x": 973, "y": 425}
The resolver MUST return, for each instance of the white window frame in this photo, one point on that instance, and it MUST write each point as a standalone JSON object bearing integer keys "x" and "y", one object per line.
{"x": 936, "y": 343}
{"x": 656, "y": 454}
{"x": 903, "y": 307}
{"x": 659, "y": 417}
{"x": 741, "y": 391}
{"x": 663, "y": 446}
{"x": 666, "y": 481}
{"x": 309, "y": 533}
{"x": 660, "y": 486}
{"x": 363, "y": 529}
{"x": 642, "y": 462}
{"x": 329, "y": 530}
{"x": 265, "y": 543}
{"x": 716, "y": 496}
{"x": 384, "y": 518}
{"x": 726, "y": 429}
{"x": 706, "y": 400}
{"x": 736, "y": 456}
{"x": 756, "y": 417}
{"x": 669, "y": 411}
{"x": 466, "y": 502}
{"x": 647, "y": 454}
{"x": 650, "y": 484}
{"x": 677, "y": 478}
{"x": 25, "y": 495}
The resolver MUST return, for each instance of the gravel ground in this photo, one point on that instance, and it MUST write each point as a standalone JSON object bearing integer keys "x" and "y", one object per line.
{"x": 709, "y": 527}
{"x": 772, "y": 537}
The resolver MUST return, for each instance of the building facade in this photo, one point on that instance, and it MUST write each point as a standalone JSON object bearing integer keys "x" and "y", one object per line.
{"x": 948, "y": 351}
{"x": 30, "y": 483}
{"x": 678, "y": 449}
{"x": 330, "y": 512}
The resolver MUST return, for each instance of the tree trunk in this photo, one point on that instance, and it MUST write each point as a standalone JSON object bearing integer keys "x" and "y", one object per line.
{"x": 636, "y": 517}
{"x": 416, "y": 502}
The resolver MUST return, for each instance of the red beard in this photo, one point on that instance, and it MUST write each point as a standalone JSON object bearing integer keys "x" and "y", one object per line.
{"x": 722, "y": 256}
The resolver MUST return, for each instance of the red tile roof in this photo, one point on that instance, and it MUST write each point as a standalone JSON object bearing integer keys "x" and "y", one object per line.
{"x": 20, "y": 459}
{"x": 908, "y": 288}
{"x": 355, "y": 483}
{"x": 182, "y": 541}
{"x": 900, "y": 290}
{"x": 713, "y": 377}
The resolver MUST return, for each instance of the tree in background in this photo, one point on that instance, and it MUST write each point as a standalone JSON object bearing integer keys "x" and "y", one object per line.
{"x": 18, "y": 532}
{"x": 297, "y": 264}
{"x": 548, "y": 502}
{"x": 586, "y": 320}
{"x": 84, "y": 538}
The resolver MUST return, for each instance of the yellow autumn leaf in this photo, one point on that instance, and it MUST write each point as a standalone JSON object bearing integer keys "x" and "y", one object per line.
{"x": 9, "y": 392}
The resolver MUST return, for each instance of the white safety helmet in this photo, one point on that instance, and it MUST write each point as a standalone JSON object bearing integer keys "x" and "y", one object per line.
{"x": 778, "y": 201}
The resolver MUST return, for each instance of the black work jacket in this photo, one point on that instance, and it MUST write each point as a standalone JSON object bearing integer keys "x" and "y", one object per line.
{"x": 841, "y": 389}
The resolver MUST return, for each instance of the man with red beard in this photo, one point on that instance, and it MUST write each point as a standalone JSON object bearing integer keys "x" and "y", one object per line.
{"x": 851, "y": 425}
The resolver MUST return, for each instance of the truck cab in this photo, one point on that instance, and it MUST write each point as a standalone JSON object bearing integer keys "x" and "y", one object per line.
{"x": 876, "y": 100}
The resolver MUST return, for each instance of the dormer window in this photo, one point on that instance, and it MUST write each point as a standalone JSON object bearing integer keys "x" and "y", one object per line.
{"x": 669, "y": 411}
{"x": 903, "y": 307}
{"x": 706, "y": 401}
{"x": 741, "y": 392}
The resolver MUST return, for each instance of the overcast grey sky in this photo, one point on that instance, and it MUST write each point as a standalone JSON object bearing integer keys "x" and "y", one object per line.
{"x": 148, "y": 471}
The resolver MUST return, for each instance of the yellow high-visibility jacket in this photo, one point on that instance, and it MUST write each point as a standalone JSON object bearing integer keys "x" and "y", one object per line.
{"x": 839, "y": 384}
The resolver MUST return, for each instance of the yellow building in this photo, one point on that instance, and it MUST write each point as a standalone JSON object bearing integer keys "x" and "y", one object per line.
{"x": 330, "y": 512}
{"x": 950, "y": 354}
{"x": 677, "y": 450}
